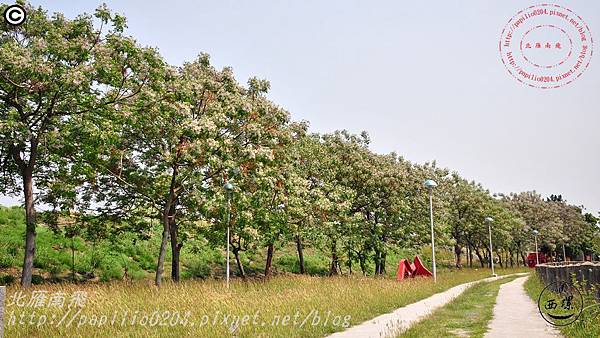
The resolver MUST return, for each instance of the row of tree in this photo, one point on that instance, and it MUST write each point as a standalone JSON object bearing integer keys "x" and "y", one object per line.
{"x": 104, "y": 131}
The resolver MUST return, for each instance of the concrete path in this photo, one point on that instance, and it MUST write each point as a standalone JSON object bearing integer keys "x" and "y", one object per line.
{"x": 392, "y": 324}
{"x": 516, "y": 315}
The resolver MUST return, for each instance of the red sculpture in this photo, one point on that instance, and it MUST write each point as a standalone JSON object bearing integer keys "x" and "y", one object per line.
{"x": 532, "y": 261}
{"x": 406, "y": 269}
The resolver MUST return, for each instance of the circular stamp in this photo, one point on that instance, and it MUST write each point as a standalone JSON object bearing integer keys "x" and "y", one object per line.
{"x": 546, "y": 46}
{"x": 560, "y": 303}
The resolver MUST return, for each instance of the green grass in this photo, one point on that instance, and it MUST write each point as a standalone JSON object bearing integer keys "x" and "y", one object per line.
{"x": 344, "y": 300}
{"x": 466, "y": 316}
{"x": 104, "y": 260}
{"x": 108, "y": 259}
{"x": 202, "y": 293}
{"x": 586, "y": 326}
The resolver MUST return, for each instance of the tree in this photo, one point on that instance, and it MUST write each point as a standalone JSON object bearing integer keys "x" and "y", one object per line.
{"x": 53, "y": 69}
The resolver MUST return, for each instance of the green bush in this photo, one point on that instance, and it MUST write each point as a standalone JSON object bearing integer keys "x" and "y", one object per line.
{"x": 7, "y": 279}
{"x": 37, "y": 279}
{"x": 83, "y": 266}
{"x": 7, "y": 261}
{"x": 316, "y": 265}
{"x": 111, "y": 272}
{"x": 49, "y": 261}
{"x": 137, "y": 274}
{"x": 198, "y": 268}
{"x": 313, "y": 264}
{"x": 144, "y": 258}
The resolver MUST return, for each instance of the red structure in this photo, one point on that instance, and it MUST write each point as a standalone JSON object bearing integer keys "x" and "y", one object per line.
{"x": 406, "y": 269}
{"x": 532, "y": 262}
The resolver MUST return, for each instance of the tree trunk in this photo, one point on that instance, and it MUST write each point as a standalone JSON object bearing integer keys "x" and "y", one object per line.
{"x": 363, "y": 264}
{"x": 523, "y": 258}
{"x": 236, "y": 254}
{"x": 300, "y": 254}
{"x": 383, "y": 254}
{"x": 382, "y": 259}
{"x": 349, "y": 262}
{"x": 163, "y": 245}
{"x": 458, "y": 253}
{"x": 72, "y": 259}
{"x": 269, "y": 262}
{"x": 333, "y": 268}
{"x": 488, "y": 257}
{"x": 166, "y": 217}
{"x": 175, "y": 246}
{"x": 470, "y": 255}
{"x": 479, "y": 257}
{"x": 30, "y": 233}
{"x": 500, "y": 260}
{"x": 376, "y": 261}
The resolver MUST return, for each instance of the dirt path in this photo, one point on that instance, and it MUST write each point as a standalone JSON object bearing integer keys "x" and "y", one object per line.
{"x": 391, "y": 324}
{"x": 516, "y": 315}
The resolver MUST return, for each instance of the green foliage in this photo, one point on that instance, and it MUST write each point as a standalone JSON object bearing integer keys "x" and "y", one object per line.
{"x": 7, "y": 279}
{"x": 37, "y": 279}
{"x": 316, "y": 264}
{"x": 128, "y": 152}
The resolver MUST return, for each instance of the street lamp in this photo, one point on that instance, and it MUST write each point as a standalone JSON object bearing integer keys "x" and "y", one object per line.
{"x": 563, "y": 245}
{"x": 489, "y": 221}
{"x": 430, "y": 184}
{"x": 229, "y": 189}
{"x": 537, "y": 255}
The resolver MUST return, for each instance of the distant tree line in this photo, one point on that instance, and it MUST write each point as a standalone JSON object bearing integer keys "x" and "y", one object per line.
{"x": 103, "y": 130}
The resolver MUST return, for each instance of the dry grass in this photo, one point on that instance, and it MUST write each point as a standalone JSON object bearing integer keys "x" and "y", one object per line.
{"x": 340, "y": 300}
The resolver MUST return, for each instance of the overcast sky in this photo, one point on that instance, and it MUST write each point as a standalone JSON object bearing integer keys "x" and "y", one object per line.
{"x": 424, "y": 78}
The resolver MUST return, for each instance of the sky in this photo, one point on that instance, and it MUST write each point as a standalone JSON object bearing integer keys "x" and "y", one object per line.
{"x": 423, "y": 78}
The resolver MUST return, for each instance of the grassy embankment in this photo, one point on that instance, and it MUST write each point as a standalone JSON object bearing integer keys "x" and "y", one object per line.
{"x": 108, "y": 258}
{"x": 586, "y": 326}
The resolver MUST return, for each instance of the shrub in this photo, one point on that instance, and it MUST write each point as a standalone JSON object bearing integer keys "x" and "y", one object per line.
{"x": 314, "y": 265}
{"x": 7, "y": 279}
{"x": 137, "y": 274}
{"x": 37, "y": 279}
{"x": 111, "y": 272}
{"x": 198, "y": 268}
{"x": 7, "y": 261}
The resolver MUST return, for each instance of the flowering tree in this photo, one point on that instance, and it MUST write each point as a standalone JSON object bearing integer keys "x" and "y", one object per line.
{"x": 51, "y": 70}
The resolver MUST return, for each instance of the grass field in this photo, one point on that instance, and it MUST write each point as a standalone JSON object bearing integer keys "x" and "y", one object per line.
{"x": 107, "y": 259}
{"x": 283, "y": 306}
{"x": 586, "y": 326}
{"x": 466, "y": 316}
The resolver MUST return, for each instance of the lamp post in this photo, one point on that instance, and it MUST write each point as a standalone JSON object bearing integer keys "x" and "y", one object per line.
{"x": 489, "y": 221}
{"x": 537, "y": 255}
{"x": 229, "y": 189}
{"x": 563, "y": 240}
{"x": 430, "y": 184}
